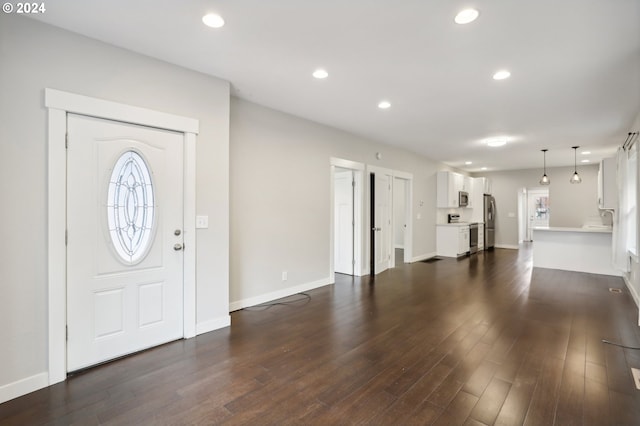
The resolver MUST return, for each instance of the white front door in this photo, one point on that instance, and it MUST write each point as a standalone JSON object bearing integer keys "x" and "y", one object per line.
{"x": 125, "y": 236}
{"x": 343, "y": 221}
{"x": 382, "y": 223}
{"x": 538, "y": 207}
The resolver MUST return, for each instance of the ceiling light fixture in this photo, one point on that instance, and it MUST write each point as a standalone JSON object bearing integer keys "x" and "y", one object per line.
{"x": 468, "y": 163}
{"x": 576, "y": 177}
{"x": 320, "y": 74}
{"x": 466, "y": 16}
{"x": 483, "y": 168}
{"x": 384, "y": 105}
{"x": 585, "y": 161}
{"x": 501, "y": 75}
{"x": 495, "y": 142}
{"x": 586, "y": 152}
{"x": 213, "y": 20}
{"x": 545, "y": 179}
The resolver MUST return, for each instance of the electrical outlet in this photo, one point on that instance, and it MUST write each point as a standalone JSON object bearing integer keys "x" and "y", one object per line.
{"x": 636, "y": 377}
{"x": 284, "y": 275}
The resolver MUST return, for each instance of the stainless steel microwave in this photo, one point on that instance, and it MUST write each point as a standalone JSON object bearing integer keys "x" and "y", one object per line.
{"x": 463, "y": 199}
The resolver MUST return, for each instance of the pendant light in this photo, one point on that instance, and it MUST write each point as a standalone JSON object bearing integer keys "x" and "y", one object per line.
{"x": 576, "y": 177}
{"x": 545, "y": 179}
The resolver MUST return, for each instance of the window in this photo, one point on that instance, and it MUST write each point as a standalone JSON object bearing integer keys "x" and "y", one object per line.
{"x": 131, "y": 207}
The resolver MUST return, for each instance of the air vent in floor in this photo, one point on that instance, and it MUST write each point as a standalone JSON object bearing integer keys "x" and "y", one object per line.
{"x": 615, "y": 290}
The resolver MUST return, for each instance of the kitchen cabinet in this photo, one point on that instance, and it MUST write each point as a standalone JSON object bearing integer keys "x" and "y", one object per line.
{"x": 607, "y": 191}
{"x": 452, "y": 240}
{"x": 449, "y": 184}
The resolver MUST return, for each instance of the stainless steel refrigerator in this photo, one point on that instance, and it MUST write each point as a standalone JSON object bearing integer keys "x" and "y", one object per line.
{"x": 489, "y": 221}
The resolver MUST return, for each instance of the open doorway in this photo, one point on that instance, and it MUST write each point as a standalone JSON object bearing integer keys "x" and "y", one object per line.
{"x": 346, "y": 218}
{"x": 344, "y": 221}
{"x": 534, "y": 211}
{"x": 401, "y": 218}
{"x": 389, "y": 225}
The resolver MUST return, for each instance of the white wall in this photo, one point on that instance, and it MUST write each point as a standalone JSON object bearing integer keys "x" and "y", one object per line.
{"x": 571, "y": 205}
{"x": 399, "y": 212}
{"x": 280, "y": 198}
{"x": 34, "y": 56}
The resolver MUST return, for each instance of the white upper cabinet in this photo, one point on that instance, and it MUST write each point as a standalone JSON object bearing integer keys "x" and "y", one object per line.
{"x": 607, "y": 192}
{"x": 449, "y": 185}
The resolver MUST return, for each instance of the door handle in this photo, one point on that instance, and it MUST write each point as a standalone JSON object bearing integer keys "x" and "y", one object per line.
{"x": 177, "y": 247}
{"x": 376, "y": 229}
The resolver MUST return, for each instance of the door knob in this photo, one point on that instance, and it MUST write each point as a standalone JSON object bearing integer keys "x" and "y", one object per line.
{"x": 177, "y": 247}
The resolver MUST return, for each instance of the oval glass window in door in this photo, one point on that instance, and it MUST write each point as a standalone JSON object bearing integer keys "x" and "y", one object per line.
{"x": 131, "y": 207}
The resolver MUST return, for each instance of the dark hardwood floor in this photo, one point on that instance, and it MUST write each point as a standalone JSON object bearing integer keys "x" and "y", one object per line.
{"x": 480, "y": 340}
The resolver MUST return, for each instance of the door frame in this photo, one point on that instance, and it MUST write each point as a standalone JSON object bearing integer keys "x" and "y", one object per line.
{"x": 358, "y": 212}
{"x": 408, "y": 251}
{"x": 408, "y": 236}
{"x": 58, "y": 104}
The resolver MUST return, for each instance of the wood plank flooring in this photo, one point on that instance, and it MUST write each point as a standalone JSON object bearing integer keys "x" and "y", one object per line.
{"x": 478, "y": 341}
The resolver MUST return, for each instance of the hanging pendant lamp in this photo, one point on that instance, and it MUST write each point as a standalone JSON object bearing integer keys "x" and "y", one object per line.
{"x": 545, "y": 179}
{"x": 576, "y": 177}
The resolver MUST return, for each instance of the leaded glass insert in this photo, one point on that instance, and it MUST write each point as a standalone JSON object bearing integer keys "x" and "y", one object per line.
{"x": 131, "y": 207}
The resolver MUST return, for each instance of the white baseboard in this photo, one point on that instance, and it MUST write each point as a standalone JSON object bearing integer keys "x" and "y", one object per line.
{"x": 507, "y": 246}
{"x": 213, "y": 324}
{"x": 268, "y": 297}
{"x": 23, "y": 387}
{"x": 423, "y": 257}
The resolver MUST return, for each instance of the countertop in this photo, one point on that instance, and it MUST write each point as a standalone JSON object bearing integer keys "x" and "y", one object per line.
{"x": 459, "y": 224}
{"x": 593, "y": 230}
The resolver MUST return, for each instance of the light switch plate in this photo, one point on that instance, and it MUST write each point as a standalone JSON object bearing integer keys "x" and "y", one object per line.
{"x": 202, "y": 222}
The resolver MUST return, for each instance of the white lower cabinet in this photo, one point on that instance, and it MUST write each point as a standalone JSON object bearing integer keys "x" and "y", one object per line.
{"x": 452, "y": 240}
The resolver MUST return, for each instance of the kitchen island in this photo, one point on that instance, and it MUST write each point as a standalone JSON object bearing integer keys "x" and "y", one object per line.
{"x": 574, "y": 249}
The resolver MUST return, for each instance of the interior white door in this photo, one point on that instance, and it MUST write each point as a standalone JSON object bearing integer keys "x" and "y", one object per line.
{"x": 343, "y": 221}
{"x": 382, "y": 225}
{"x": 124, "y": 250}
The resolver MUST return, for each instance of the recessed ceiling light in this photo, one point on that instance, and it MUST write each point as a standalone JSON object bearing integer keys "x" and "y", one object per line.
{"x": 494, "y": 142}
{"x": 501, "y": 75}
{"x": 213, "y": 20}
{"x": 586, "y": 152}
{"x": 384, "y": 105}
{"x": 466, "y": 16}
{"x": 585, "y": 161}
{"x": 320, "y": 74}
{"x": 468, "y": 163}
{"x": 483, "y": 168}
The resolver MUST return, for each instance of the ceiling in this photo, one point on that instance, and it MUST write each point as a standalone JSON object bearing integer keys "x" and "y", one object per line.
{"x": 575, "y": 67}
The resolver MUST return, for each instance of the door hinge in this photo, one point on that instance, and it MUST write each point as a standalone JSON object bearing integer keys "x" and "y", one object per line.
{"x": 353, "y": 183}
{"x": 66, "y": 140}
{"x": 66, "y": 237}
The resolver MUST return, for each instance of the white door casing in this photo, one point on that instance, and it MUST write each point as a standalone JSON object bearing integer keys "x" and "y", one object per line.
{"x": 124, "y": 270}
{"x": 344, "y": 222}
{"x": 59, "y": 104}
{"x": 382, "y": 223}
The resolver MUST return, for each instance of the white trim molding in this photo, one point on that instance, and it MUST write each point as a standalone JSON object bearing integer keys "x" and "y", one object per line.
{"x": 423, "y": 257}
{"x": 23, "y": 387}
{"x": 59, "y": 104}
{"x": 507, "y": 246}
{"x": 213, "y": 324}
{"x": 274, "y": 295}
